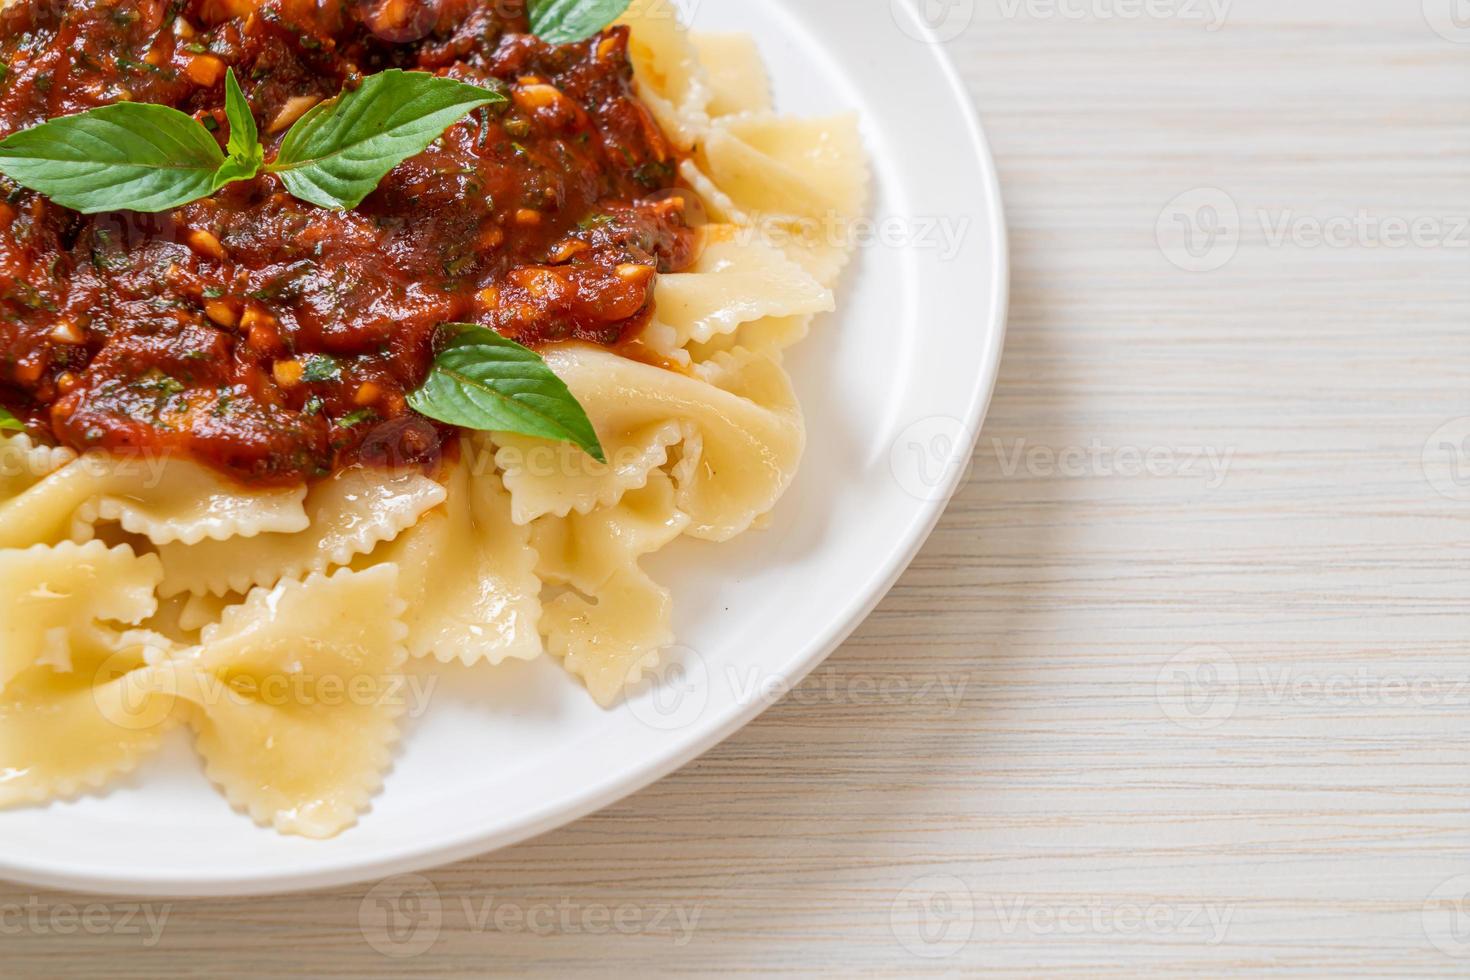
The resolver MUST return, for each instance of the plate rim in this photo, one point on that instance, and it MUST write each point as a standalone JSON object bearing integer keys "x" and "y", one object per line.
{"x": 559, "y": 812}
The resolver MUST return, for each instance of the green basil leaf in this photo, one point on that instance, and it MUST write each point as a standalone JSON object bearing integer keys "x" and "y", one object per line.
{"x": 335, "y": 154}
{"x": 8, "y": 422}
{"x": 568, "y": 21}
{"x": 245, "y": 152}
{"x": 484, "y": 381}
{"x": 130, "y": 156}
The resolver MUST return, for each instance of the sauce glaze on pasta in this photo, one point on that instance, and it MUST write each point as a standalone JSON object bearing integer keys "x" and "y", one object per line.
{"x": 276, "y": 340}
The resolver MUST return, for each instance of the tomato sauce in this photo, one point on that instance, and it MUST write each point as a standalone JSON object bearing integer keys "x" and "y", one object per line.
{"x": 277, "y": 340}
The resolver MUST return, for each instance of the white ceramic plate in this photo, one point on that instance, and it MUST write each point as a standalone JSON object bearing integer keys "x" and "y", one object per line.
{"x": 895, "y": 387}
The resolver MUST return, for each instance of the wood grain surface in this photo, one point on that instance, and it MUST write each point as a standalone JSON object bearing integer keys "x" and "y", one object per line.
{"x": 1180, "y": 684}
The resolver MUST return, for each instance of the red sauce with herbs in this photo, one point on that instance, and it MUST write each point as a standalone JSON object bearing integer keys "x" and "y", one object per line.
{"x": 277, "y": 340}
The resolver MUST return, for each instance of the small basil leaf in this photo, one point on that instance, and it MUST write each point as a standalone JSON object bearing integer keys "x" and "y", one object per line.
{"x": 335, "y": 154}
{"x": 8, "y": 422}
{"x": 245, "y": 152}
{"x": 234, "y": 169}
{"x": 484, "y": 381}
{"x": 129, "y": 156}
{"x": 569, "y": 21}
{"x": 321, "y": 367}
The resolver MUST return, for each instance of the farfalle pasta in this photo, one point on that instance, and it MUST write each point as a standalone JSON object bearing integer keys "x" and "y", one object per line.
{"x": 293, "y": 696}
{"x": 344, "y": 516}
{"x": 164, "y": 500}
{"x": 737, "y": 279}
{"x": 251, "y": 537}
{"x": 488, "y": 610}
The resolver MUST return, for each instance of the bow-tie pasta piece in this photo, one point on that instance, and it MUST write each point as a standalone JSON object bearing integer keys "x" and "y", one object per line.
{"x": 610, "y": 641}
{"x": 349, "y": 514}
{"x": 585, "y": 551}
{"x": 736, "y": 72}
{"x": 77, "y": 708}
{"x": 742, "y": 408}
{"x": 295, "y": 698}
{"x": 23, "y": 463}
{"x": 165, "y": 500}
{"x": 558, "y": 478}
{"x": 737, "y": 279}
{"x": 54, "y": 599}
{"x": 468, "y": 573}
{"x": 770, "y": 335}
{"x": 766, "y": 164}
{"x": 802, "y": 181}
{"x": 731, "y": 482}
{"x": 66, "y": 732}
{"x": 667, "y": 72}
{"x": 178, "y": 500}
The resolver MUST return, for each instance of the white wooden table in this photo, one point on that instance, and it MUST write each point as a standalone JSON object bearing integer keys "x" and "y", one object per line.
{"x": 1182, "y": 682}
